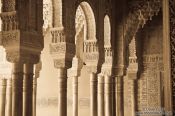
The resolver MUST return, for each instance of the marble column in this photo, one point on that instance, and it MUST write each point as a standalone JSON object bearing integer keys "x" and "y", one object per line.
{"x": 8, "y": 108}
{"x": 34, "y": 96}
{"x": 27, "y": 89}
{"x": 2, "y": 96}
{"x": 100, "y": 95}
{"x": 108, "y": 95}
{"x": 93, "y": 94}
{"x": 133, "y": 97}
{"x": 75, "y": 95}
{"x": 119, "y": 95}
{"x": 17, "y": 83}
{"x": 62, "y": 92}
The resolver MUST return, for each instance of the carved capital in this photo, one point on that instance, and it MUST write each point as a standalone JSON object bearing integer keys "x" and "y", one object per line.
{"x": 61, "y": 50}
{"x": 22, "y": 56}
{"x": 91, "y": 54}
{"x": 119, "y": 71}
{"x": 77, "y": 65}
{"x": 9, "y": 21}
{"x": 22, "y": 46}
{"x": 92, "y": 69}
{"x": 106, "y": 71}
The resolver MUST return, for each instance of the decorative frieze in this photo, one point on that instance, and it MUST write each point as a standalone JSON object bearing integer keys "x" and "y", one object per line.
{"x": 9, "y": 21}
{"x": 58, "y": 35}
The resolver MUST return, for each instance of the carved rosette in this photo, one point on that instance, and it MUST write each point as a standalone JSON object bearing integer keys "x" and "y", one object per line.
{"x": 61, "y": 51}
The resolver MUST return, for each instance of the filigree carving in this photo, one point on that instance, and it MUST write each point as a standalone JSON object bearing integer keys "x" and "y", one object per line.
{"x": 12, "y": 37}
{"x": 140, "y": 12}
{"x": 133, "y": 63}
{"x": 8, "y": 5}
{"x": 91, "y": 54}
{"x": 172, "y": 41}
{"x": 9, "y": 21}
{"x": 80, "y": 20}
{"x": 47, "y": 14}
{"x": 90, "y": 46}
{"x": 61, "y": 50}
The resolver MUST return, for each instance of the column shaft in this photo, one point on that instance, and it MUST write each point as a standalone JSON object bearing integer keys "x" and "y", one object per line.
{"x": 8, "y": 108}
{"x": 100, "y": 96}
{"x": 34, "y": 96}
{"x": 108, "y": 96}
{"x": 75, "y": 95}
{"x": 17, "y": 80}
{"x": 27, "y": 89}
{"x": 119, "y": 96}
{"x": 93, "y": 94}
{"x": 2, "y": 96}
{"x": 62, "y": 96}
{"x": 133, "y": 97}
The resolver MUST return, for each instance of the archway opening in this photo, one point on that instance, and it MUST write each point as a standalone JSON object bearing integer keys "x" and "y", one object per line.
{"x": 107, "y": 31}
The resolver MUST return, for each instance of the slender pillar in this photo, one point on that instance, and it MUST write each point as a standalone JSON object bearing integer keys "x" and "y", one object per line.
{"x": 108, "y": 96}
{"x": 100, "y": 95}
{"x": 34, "y": 96}
{"x": 75, "y": 95}
{"x": 27, "y": 89}
{"x": 62, "y": 96}
{"x": 8, "y": 108}
{"x": 93, "y": 94}
{"x": 133, "y": 97}
{"x": 119, "y": 96}
{"x": 17, "y": 80}
{"x": 2, "y": 96}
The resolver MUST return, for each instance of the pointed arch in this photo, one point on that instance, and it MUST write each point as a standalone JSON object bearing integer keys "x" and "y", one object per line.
{"x": 90, "y": 25}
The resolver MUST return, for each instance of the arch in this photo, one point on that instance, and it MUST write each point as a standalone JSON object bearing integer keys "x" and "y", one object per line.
{"x": 107, "y": 31}
{"x": 90, "y": 25}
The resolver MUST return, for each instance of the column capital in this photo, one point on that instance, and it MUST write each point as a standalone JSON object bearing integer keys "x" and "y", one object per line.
{"x": 77, "y": 65}
{"x": 22, "y": 46}
{"x": 91, "y": 54}
{"x": 100, "y": 78}
{"x": 22, "y": 39}
{"x": 61, "y": 49}
{"x": 119, "y": 71}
